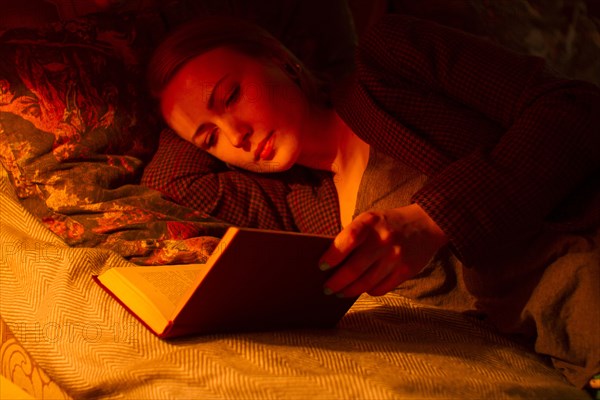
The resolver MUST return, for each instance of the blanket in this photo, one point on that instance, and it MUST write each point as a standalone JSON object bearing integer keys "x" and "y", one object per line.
{"x": 386, "y": 347}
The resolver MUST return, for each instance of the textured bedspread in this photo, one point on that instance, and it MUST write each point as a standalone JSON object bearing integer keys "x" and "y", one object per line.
{"x": 384, "y": 348}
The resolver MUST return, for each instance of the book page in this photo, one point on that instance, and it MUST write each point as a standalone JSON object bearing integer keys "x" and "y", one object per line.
{"x": 172, "y": 282}
{"x": 254, "y": 280}
{"x": 154, "y": 293}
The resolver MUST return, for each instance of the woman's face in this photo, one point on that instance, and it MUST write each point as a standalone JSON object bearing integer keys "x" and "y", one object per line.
{"x": 244, "y": 110}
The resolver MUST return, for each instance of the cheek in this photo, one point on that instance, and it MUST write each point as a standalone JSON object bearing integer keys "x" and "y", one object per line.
{"x": 288, "y": 149}
{"x": 277, "y": 99}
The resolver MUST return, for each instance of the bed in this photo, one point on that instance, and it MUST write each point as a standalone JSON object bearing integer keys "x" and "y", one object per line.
{"x": 67, "y": 327}
{"x": 67, "y": 217}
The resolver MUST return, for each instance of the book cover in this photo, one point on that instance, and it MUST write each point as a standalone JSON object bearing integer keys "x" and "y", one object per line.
{"x": 255, "y": 280}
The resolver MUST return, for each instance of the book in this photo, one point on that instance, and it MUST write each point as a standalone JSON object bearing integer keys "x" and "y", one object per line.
{"x": 255, "y": 280}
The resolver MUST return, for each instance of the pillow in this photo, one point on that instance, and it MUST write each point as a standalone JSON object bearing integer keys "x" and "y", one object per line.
{"x": 75, "y": 131}
{"x": 564, "y": 32}
{"x": 76, "y": 126}
{"x": 459, "y": 14}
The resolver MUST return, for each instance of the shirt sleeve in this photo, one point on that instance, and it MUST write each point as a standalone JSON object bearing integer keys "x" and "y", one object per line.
{"x": 496, "y": 196}
{"x": 193, "y": 178}
{"x": 299, "y": 199}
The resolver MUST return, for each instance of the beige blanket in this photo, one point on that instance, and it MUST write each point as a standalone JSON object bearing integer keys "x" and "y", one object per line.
{"x": 385, "y": 348}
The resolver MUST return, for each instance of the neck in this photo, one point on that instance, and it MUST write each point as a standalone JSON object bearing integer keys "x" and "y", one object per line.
{"x": 336, "y": 151}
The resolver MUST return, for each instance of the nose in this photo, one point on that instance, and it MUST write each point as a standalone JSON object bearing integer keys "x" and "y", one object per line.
{"x": 237, "y": 132}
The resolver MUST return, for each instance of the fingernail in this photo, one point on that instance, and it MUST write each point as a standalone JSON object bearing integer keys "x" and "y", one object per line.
{"x": 324, "y": 266}
{"x": 327, "y": 291}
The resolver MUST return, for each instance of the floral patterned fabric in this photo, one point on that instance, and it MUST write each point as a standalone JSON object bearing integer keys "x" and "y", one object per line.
{"x": 76, "y": 126}
{"x": 75, "y": 132}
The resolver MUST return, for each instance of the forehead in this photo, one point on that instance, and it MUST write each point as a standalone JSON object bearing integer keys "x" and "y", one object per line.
{"x": 183, "y": 103}
{"x": 194, "y": 81}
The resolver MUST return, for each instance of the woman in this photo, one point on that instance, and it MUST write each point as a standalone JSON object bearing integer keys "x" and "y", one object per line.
{"x": 487, "y": 160}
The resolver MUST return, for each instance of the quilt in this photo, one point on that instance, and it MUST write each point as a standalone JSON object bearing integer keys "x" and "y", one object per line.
{"x": 386, "y": 347}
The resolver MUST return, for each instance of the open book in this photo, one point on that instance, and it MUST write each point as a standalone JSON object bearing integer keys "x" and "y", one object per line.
{"x": 254, "y": 280}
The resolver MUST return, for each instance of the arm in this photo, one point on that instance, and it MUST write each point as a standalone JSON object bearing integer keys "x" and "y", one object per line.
{"x": 492, "y": 196}
{"x": 295, "y": 200}
{"x": 195, "y": 179}
{"x": 550, "y": 144}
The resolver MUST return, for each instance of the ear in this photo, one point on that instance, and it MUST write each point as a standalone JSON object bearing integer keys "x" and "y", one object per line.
{"x": 294, "y": 70}
{"x": 310, "y": 85}
{"x": 287, "y": 62}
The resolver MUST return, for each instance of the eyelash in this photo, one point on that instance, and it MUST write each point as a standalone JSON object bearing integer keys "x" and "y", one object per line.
{"x": 233, "y": 97}
{"x": 210, "y": 139}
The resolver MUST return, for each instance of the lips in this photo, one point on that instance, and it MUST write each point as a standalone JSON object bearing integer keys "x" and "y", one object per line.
{"x": 264, "y": 150}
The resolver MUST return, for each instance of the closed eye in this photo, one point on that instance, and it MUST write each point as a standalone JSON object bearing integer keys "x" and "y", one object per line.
{"x": 233, "y": 96}
{"x": 210, "y": 139}
{"x": 205, "y": 136}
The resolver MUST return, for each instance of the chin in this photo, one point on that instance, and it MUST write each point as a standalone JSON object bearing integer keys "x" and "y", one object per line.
{"x": 273, "y": 166}
{"x": 264, "y": 166}
{"x": 276, "y": 164}
{"x": 280, "y": 165}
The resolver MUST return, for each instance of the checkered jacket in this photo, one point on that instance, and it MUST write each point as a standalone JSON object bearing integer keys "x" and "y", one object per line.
{"x": 503, "y": 142}
{"x": 296, "y": 200}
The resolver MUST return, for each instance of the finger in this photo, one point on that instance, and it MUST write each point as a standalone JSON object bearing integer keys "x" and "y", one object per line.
{"x": 351, "y": 270}
{"x": 352, "y": 236}
{"x": 376, "y": 273}
{"x": 392, "y": 281}
{"x": 368, "y": 281}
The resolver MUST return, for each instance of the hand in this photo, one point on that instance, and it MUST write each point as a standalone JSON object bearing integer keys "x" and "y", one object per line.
{"x": 379, "y": 250}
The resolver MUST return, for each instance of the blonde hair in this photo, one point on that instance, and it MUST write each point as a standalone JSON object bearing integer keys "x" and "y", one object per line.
{"x": 201, "y": 35}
